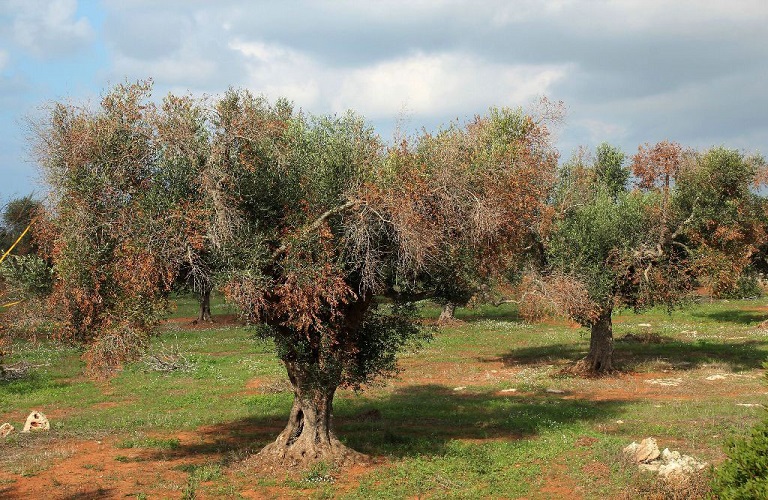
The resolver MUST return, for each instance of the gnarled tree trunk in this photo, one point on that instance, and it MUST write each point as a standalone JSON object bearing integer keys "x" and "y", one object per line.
{"x": 599, "y": 360}
{"x": 205, "y": 306}
{"x": 448, "y": 313}
{"x": 309, "y": 436}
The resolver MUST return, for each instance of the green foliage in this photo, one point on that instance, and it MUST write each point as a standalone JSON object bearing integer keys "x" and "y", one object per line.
{"x": 747, "y": 287}
{"x": 26, "y": 277}
{"x": 609, "y": 168}
{"x": 595, "y": 236}
{"x": 385, "y": 332}
{"x": 725, "y": 219}
{"x": 16, "y": 216}
{"x": 744, "y": 475}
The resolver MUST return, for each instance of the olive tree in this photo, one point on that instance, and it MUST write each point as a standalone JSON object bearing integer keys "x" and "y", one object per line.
{"x": 111, "y": 229}
{"x": 719, "y": 190}
{"x": 606, "y": 249}
{"x": 691, "y": 217}
{"x": 318, "y": 220}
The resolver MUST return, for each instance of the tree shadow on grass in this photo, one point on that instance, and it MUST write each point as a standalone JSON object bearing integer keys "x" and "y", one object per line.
{"x": 423, "y": 419}
{"x": 735, "y": 316}
{"x": 30, "y": 382}
{"x": 413, "y": 421}
{"x": 94, "y": 494}
{"x": 630, "y": 356}
{"x": 488, "y": 313}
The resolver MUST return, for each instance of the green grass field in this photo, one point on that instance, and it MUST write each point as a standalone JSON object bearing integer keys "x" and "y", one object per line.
{"x": 481, "y": 411}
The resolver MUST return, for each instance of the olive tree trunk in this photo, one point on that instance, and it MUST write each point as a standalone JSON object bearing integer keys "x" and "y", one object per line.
{"x": 308, "y": 437}
{"x": 600, "y": 357}
{"x": 205, "y": 306}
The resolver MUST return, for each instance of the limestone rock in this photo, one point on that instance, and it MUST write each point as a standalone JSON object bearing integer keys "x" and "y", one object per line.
{"x": 645, "y": 452}
{"x": 669, "y": 465}
{"x": 36, "y": 421}
{"x": 683, "y": 465}
{"x": 5, "y": 430}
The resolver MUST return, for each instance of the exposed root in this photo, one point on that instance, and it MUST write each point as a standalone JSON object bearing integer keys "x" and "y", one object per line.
{"x": 302, "y": 454}
{"x": 584, "y": 368}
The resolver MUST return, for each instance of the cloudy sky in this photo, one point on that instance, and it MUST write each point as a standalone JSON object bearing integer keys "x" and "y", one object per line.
{"x": 629, "y": 71}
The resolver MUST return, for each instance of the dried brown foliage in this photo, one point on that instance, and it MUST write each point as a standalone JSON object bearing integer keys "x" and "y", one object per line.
{"x": 656, "y": 166}
{"x": 111, "y": 230}
{"x": 556, "y": 295}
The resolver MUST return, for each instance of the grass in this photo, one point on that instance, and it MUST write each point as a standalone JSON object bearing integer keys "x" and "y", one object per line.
{"x": 443, "y": 428}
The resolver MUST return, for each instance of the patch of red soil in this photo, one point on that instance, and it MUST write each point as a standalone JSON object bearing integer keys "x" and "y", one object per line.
{"x": 558, "y": 484}
{"x": 99, "y": 469}
{"x": 95, "y": 469}
{"x": 597, "y": 470}
{"x": 586, "y": 441}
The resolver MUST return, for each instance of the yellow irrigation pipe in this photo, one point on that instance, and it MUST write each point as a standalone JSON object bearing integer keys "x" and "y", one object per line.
{"x": 7, "y": 252}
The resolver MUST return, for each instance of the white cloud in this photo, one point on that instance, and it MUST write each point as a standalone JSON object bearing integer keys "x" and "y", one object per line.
{"x": 625, "y": 16}
{"x": 424, "y": 84}
{"x": 449, "y": 83}
{"x": 3, "y": 59}
{"x": 48, "y": 28}
{"x": 188, "y": 69}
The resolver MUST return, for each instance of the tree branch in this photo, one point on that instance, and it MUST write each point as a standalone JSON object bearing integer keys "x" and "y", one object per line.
{"x": 315, "y": 225}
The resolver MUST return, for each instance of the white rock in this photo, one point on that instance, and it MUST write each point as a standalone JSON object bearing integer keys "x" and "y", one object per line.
{"x": 555, "y": 391}
{"x": 5, "y": 430}
{"x": 665, "y": 382}
{"x": 36, "y": 421}
{"x": 716, "y": 377}
{"x": 509, "y": 390}
{"x": 671, "y": 468}
{"x": 668, "y": 456}
{"x": 670, "y": 465}
{"x": 645, "y": 452}
{"x": 460, "y": 388}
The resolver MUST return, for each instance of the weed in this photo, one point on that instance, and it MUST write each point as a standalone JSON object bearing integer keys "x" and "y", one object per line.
{"x": 159, "y": 443}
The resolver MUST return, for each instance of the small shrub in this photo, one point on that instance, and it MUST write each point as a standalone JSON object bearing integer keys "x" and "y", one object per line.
{"x": 745, "y": 474}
